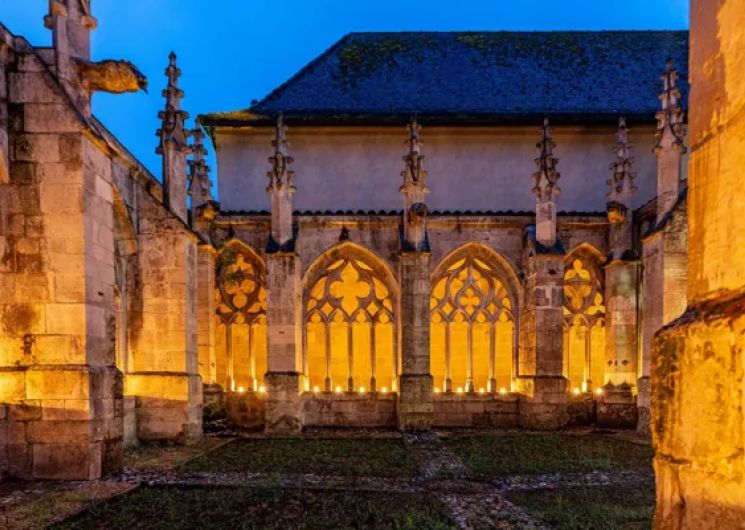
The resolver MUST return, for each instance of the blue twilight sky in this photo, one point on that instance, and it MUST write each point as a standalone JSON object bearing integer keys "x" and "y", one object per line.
{"x": 232, "y": 51}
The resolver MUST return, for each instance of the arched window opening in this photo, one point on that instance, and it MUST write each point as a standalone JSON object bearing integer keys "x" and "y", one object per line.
{"x": 350, "y": 337}
{"x": 584, "y": 325}
{"x": 472, "y": 328}
{"x": 241, "y": 310}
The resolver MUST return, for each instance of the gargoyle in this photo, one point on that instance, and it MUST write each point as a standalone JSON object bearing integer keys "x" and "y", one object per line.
{"x": 112, "y": 76}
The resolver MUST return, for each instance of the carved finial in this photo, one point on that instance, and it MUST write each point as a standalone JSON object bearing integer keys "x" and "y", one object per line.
{"x": 414, "y": 172}
{"x": 670, "y": 117}
{"x": 621, "y": 183}
{"x": 173, "y": 130}
{"x": 546, "y": 178}
{"x": 280, "y": 176}
{"x": 200, "y": 187}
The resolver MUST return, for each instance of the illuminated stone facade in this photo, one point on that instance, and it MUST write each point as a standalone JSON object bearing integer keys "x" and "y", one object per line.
{"x": 124, "y": 305}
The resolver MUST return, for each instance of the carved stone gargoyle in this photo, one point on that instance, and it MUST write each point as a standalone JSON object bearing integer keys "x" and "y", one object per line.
{"x": 112, "y": 76}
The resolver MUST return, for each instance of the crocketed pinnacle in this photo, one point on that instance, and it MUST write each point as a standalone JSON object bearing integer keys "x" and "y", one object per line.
{"x": 280, "y": 175}
{"x": 545, "y": 186}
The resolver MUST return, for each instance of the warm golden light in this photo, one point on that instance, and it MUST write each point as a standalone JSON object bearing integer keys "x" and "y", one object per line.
{"x": 460, "y": 390}
{"x": 482, "y": 390}
{"x": 599, "y": 391}
{"x": 338, "y": 390}
{"x": 316, "y": 390}
{"x": 362, "y": 390}
{"x": 576, "y": 391}
{"x": 503, "y": 390}
{"x": 262, "y": 389}
{"x": 437, "y": 390}
{"x": 241, "y": 389}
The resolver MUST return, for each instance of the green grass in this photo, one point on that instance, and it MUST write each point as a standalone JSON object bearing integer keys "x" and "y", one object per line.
{"x": 355, "y": 458}
{"x": 500, "y": 455}
{"x": 265, "y": 508}
{"x": 628, "y": 507}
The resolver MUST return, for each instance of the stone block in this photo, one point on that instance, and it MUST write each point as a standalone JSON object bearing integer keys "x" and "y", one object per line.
{"x": 60, "y": 383}
{"x": 67, "y": 461}
{"x": 283, "y": 404}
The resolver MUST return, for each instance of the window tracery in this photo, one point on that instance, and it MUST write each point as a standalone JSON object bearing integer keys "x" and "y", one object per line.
{"x": 472, "y": 327}
{"x": 349, "y": 328}
{"x": 584, "y": 323}
{"x": 240, "y": 296}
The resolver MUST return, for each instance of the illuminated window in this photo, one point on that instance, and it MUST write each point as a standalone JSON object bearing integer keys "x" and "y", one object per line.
{"x": 472, "y": 330}
{"x": 349, "y": 326}
{"x": 584, "y": 323}
{"x": 241, "y": 309}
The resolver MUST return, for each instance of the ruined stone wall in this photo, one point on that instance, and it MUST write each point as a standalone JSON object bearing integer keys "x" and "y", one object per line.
{"x": 364, "y": 164}
{"x": 697, "y": 365}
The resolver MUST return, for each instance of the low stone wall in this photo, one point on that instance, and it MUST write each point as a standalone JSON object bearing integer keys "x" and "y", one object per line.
{"x": 581, "y": 410}
{"x": 245, "y": 409}
{"x": 346, "y": 409}
{"x": 476, "y": 410}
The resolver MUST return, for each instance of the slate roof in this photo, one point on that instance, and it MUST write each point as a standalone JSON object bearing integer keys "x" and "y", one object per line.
{"x": 490, "y": 77}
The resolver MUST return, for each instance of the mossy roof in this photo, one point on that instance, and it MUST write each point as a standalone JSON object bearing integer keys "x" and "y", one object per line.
{"x": 489, "y": 77}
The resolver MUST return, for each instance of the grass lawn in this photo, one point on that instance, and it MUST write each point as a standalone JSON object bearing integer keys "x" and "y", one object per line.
{"x": 355, "y": 458}
{"x": 492, "y": 455}
{"x": 266, "y": 508}
{"x": 628, "y": 507}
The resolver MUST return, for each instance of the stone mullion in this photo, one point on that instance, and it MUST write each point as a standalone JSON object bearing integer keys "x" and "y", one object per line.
{"x": 252, "y": 356}
{"x": 469, "y": 356}
{"x": 373, "y": 357}
{"x": 229, "y": 354}
{"x": 492, "y": 386}
{"x": 350, "y": 356}
{"x": 327, "y": 347}
{"x": 448, "y": 379}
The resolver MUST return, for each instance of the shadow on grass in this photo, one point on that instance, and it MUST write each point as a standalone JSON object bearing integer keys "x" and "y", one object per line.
{"x": 262, "y": 507}
{"x": 355, "y": 458}
{"x": 494, "y": 455}
{"x": 628, "y": 507}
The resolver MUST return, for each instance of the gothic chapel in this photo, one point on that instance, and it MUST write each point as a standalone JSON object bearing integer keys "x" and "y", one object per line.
{"x": 415, "y": 231}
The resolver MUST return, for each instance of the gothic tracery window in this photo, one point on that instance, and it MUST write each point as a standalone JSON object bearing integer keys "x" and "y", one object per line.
{"x": 472, "y": 327}
{"x": 350, "y": 328}
{"x": 240, "y": 295}
{"x": 584, "y": 323}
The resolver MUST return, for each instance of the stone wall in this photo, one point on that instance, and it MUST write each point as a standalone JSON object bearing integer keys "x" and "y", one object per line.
{"x": 364, "y": 163}
{"x": 697, "y": 363}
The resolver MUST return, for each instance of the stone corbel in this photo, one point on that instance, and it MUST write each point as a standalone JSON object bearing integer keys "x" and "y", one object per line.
{"x": 112, "y": 76}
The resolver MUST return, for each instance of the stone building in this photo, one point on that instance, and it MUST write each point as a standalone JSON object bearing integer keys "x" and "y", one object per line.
{"x": 513, "y": 277}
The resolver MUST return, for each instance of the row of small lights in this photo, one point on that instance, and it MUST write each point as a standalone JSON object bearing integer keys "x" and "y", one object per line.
{"x": 577, "y": 391}
{"x": 482, "y": 390}
{"x": 384, "y": 390}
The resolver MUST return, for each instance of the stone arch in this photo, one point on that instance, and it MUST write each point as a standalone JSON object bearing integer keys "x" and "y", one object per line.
{"x": 240, "y": 294}
{"x": 350, "y": 309}
{"x": 474, "y": 308}
{"x": 584, "y": 318}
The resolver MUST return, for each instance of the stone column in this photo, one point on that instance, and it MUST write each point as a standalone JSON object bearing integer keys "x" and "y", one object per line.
{"x": 165, "y": 380}
{"x": 284, "y": 298}
{"x": 540, "y": 380}
{"x": 621, "y": 272}
{"x": 697, "y": 362}
{"x": 416, "y": 399}
{"x": 664, "y": 247}
{"x": 541, "y": 366}
{"x": 206, "y": 318}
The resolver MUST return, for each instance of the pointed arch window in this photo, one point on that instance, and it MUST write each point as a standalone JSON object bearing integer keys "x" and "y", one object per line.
{"x": 584, "y": 322}
{"x": 473, "y": 327}
{"x": 240, "y": 296}
{"x": 350, "y": 339}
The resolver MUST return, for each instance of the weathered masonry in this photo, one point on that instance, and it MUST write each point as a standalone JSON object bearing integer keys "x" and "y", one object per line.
{"x": 513, "y": 278}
